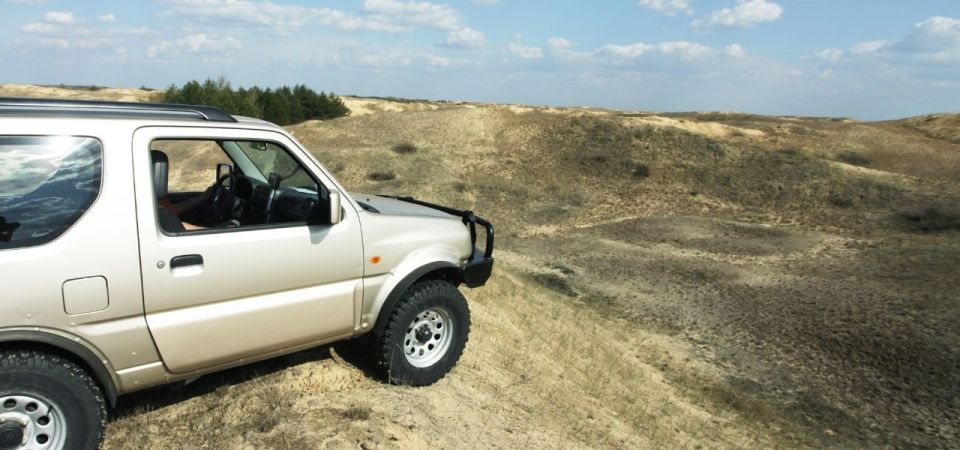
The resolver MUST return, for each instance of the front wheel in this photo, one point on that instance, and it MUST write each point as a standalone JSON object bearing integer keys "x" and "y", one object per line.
{"x": 425, "y": 334}
{"x": 47, "y": 402}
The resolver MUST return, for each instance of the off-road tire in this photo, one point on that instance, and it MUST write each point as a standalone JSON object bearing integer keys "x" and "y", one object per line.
{"x": 389, "y": 344}
{"x": 68, "y": 386}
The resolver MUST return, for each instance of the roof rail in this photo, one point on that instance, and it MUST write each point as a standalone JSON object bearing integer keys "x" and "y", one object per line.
{"x": 98, "y": 107}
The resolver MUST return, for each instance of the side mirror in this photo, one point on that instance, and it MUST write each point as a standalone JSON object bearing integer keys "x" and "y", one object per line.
{"x": 223, "y": 169}
{"x": 336, "y": 210}
{"x": 274, "y": 180}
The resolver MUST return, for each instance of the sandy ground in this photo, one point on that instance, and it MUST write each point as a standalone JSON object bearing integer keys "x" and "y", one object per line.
{"x": 85, "y": 93}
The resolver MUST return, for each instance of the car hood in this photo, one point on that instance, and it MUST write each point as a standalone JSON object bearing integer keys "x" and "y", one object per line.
{"x": 391, "y": 206}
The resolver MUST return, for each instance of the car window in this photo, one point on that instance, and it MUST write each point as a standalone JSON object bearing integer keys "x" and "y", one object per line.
{"x": 192, "y": 163}
{"x": 46, "y": 184}
{"x": 271, "y": 187}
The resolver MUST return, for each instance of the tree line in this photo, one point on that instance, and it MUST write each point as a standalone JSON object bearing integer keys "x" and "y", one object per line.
{"x": 282, "y": 106}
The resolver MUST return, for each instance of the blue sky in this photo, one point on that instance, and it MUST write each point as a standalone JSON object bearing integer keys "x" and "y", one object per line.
{"x": 865, "y": 59}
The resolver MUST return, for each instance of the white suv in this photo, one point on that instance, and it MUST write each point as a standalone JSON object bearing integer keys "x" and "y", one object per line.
{"x": 121, "y": 270}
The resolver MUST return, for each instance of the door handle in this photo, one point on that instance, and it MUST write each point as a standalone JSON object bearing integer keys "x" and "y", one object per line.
{"x": 186, "y": 260}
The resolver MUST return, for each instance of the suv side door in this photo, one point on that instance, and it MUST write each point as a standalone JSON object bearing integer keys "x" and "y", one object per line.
{"x": 252, "y": 292}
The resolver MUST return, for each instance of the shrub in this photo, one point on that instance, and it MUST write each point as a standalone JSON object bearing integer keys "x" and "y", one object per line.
{"x": 404, "y": 148}
{"x": 931, "y": 219}
{"x": 641, "y": 171}
{"x": 381, "y": 176}
{"x": 338, "y": 166}
{"x": 854, "y": 158}
{"x": 601, "y": 146}
{"x": 283, "y": 106}
{"x": 555, "y": 283}
{"x": 358, "y": 413}
{"x": 841, "y": 200}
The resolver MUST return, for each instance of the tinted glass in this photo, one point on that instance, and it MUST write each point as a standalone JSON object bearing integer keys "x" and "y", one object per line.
{"x": 46, "y": 184}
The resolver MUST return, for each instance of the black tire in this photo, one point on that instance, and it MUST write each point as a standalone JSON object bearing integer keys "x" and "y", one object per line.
{"x": 421, "y": 297}
{"x": 65, "y": 385}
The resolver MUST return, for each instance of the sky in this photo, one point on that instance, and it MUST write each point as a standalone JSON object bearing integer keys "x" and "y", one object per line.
{"x": 876, "y": 59}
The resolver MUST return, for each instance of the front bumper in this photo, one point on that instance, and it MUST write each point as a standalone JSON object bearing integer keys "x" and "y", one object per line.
{"x": 476, "y": 271}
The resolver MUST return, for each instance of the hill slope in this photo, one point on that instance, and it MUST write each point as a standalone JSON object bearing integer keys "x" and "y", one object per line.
{"x": 664, "y": 280}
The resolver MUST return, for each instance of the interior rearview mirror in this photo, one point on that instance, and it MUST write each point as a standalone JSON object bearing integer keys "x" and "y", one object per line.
{"x": 336, "y": 211}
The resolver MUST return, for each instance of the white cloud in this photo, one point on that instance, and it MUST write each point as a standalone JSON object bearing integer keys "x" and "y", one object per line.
{"x": 282, "y": 18}
{"x": 437, "y": 61}
{"x": 202, "y": 43}
{"x": 135, "y": 31}
{"x": 424, "y": 14}
{"x": 58, "y": 17}
{"x": 522, "y": 51}
{"x": 735, "y": 51}
{"x": 668, "y": 7}
{"x": 558, "y": 43}
{"x": 64, "y": 30}
{"x": 485, "y": 2}
{"x": 107, "y": 18}
{"x": 39, "y": 27}
{"x": 746, "y": 14}
{"x": 868, "y": 47}
{"x": 682, "y": 49}
{"x": 395, "y": 60}
{"x": 626, "y": 52}
{"x": 159, "y": 49}
{"x": 672, "y": 50}
{"x": 91, "y": 43}
{"x": 562, "y": 50}
{"x": 199, "y": 43}
{"x": 830, "y": 54}
{"x": 383, "y": 60}
{"x": 466, "y": 37}
{"x": 935, "y": 39}
{"x": 393, "y": 16}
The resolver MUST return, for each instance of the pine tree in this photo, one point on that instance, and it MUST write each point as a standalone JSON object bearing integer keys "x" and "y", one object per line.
{"x": 282, "y": 106}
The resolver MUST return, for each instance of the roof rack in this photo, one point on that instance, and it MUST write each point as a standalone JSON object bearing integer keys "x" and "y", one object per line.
{"x": 14, "y": 105}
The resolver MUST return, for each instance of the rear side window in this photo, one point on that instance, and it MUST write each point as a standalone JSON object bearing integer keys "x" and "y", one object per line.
{"x": 46, "y": 184}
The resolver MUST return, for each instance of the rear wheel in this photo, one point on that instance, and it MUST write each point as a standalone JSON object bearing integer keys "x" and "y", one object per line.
{"x": 48, "y": 402}
{"x": 425, "y": 334}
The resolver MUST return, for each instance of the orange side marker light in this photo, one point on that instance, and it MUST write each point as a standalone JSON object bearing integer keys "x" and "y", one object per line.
{"x": 375, "y": 260}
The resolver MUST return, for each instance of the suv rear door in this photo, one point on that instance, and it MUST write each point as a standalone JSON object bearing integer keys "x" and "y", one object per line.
{"x": 243, "y": 292}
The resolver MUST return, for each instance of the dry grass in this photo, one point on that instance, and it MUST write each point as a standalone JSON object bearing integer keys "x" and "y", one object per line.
{"x": 526, "y": 380}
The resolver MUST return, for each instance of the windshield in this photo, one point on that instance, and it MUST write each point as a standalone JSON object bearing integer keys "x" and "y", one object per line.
{"x": 274, "y": 161}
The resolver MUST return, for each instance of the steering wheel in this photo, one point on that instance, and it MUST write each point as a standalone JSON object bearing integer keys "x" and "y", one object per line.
{"x": 221, "y": 200}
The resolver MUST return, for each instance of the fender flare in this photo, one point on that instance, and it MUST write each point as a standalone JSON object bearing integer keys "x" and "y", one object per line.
{"x": 73, "y": 349}
{"x": 407, "y": 281}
